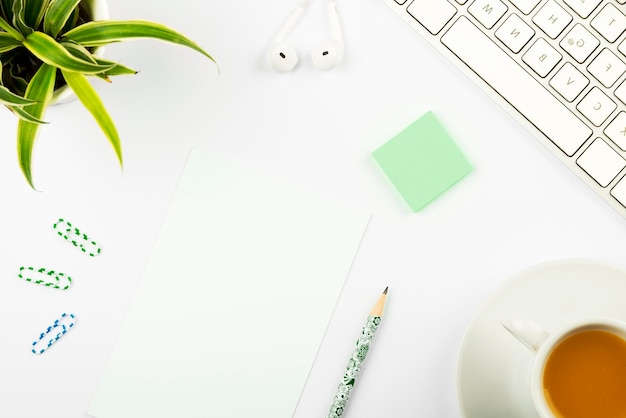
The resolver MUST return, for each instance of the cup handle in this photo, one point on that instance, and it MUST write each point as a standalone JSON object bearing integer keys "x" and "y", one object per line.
{"x": 527, "y": 332}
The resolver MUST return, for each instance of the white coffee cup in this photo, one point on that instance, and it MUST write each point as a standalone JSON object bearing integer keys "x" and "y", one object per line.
{"x": 542, "y": 343}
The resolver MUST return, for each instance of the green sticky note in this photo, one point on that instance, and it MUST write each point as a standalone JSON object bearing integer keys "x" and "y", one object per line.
{"x": 422, "y": 161}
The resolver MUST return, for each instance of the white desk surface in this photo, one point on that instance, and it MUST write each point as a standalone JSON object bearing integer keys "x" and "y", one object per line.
{"x": 518, "y": 208}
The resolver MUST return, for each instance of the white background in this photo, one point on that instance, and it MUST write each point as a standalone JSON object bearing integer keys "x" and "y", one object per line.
{"x": 518, "y": 208}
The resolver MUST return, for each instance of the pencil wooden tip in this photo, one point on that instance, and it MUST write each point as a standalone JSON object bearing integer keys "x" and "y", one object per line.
{"x": 377, "y": 310}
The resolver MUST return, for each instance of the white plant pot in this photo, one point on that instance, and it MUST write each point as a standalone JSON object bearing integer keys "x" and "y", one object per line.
{"x": 98, "y": 10}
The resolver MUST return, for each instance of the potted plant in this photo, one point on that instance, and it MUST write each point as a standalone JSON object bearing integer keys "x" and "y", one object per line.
{"x": 47, "y": 46}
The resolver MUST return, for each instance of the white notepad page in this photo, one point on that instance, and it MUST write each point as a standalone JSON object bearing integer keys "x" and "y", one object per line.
{"x": 234, "y": 301}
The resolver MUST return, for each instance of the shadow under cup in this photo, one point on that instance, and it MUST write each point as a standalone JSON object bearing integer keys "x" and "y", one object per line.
{"x": 582, "y": 373}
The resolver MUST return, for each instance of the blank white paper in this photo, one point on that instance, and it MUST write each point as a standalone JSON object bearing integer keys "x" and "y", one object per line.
{"x": 235, "y": 299}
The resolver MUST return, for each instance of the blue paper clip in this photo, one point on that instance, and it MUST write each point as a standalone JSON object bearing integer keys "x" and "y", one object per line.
{"x": 54, "y": 332}
{"x": 48, "y": 278}
{"x": 80, "y": 240}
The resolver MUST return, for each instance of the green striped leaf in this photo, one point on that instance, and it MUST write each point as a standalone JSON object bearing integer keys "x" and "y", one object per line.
{"x": 39, "y": 89}
{"x": 103, "y": 32}
{"x": 51, "y": 52}
{"x": 72, "y": 21}
{"x": 19, "y": 21}
{"x": 90, "y": 99}
{"x": 7, "y": 11}
{"x": 119, "y": 69}
{"x": 24, "y": 115}
{"x": 11, "y": 30}
{"x": 9, "y": 98}
{"x": 8, "y": 42}
{"x": 57, "y": 15}
{"x": 33, "y": 12}
{"x": 81, "y": 52}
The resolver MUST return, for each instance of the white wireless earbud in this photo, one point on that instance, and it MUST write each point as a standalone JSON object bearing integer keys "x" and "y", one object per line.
{"x": 329, "y": 53}
{"x": 281, "y": 55}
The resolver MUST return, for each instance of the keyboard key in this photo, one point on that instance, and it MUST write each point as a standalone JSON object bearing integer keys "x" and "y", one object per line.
{"x": 526, "y": 6}
{"x": 596, "y": 106}
{"x": 541, "y": 57}
{"x": 601, "y": 162}
{"x": 619, "y": 192}
{"x": 610, "y": 23}
{"x": 491, "y": 64}
{"x": 488, "y": 12}
{"x": 569, "y": 82}
{"x": 432, "y": 14}
{"x": 607, "y": 68}
{"x": 622, "y": 47}
{"x": 514, "y": 33}
{"x": 616, "y": 130}
{"x": 579, "y": 43}
{"x": 552, "y": 19}
{"x": 583, "y": 7}
{"x": 620, "y": 92}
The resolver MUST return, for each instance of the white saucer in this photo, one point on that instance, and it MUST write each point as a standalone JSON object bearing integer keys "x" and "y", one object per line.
{"x": 493, "y": 366}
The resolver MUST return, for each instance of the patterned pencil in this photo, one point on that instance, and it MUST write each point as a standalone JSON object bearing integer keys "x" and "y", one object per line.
{"x": 342, "y": 394}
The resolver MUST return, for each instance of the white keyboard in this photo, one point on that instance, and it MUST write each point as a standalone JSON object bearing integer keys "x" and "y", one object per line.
{"x": 557, "y": 66}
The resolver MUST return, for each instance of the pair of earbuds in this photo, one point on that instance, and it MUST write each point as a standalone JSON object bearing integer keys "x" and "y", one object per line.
{"x": 283, "y": 57}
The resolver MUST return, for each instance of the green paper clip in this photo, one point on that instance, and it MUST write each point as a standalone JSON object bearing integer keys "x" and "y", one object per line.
{"x": 80, "y": 240}
{"x": 44, "y": 277}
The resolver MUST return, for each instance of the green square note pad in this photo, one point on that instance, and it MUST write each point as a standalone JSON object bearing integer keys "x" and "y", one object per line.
{"x": 422, "y": 161}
